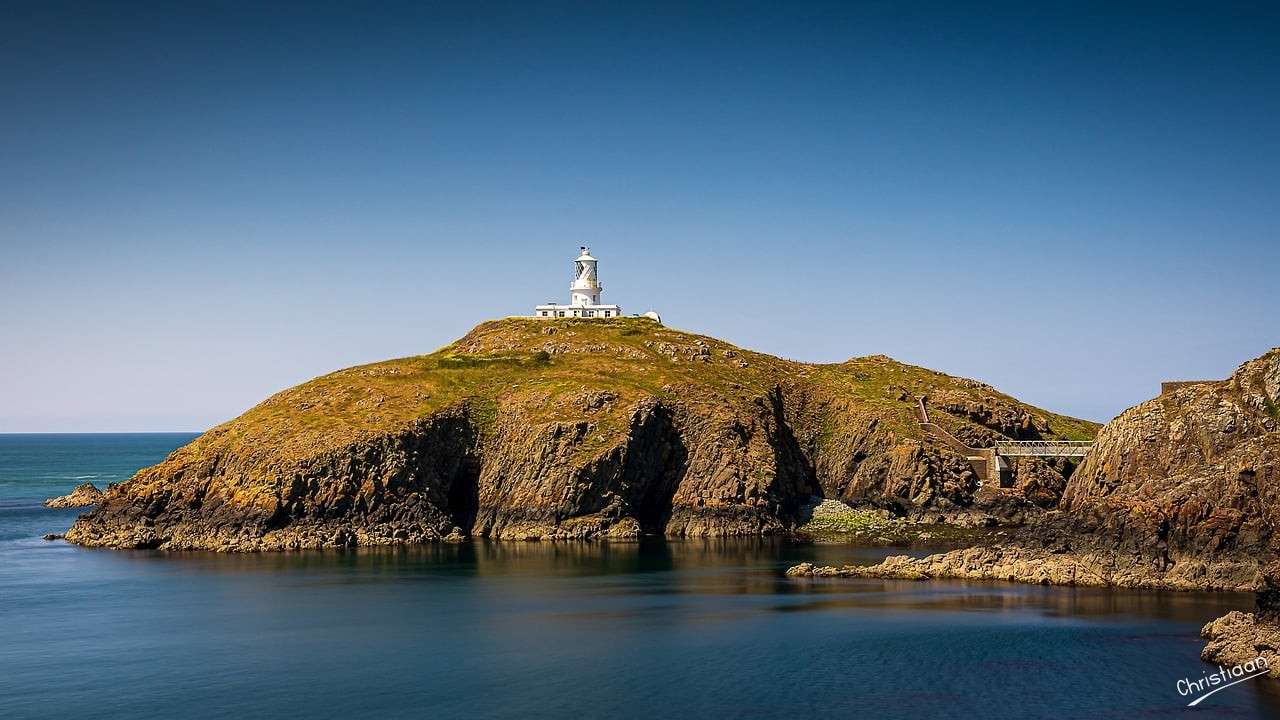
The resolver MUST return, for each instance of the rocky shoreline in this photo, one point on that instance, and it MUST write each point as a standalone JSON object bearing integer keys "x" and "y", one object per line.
{"x": 1039, "y": 566}
{"x": 1051, "y": 551}
{"x": 313, "y": 535}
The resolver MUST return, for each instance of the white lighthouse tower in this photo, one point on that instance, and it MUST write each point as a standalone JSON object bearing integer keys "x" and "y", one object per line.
{"x": 584, "y": 294}
{"x": 586, "y": 287}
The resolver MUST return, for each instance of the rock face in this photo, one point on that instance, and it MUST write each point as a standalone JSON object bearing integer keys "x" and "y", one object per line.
{"x": 527, "y": 429}
{"x": 1181, "y": 492}
{"x": 83, "y": 495}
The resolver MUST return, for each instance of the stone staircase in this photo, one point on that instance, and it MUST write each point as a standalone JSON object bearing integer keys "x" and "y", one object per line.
{"x": 985, "y": 463}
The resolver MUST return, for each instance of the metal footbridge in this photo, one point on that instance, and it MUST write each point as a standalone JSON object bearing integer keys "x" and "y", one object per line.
{"x": 989, "y": 463}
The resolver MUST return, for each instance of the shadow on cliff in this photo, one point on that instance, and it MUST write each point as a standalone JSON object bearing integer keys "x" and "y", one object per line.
{"x": 796, "y": 481}
{"x": 656, "y": 461}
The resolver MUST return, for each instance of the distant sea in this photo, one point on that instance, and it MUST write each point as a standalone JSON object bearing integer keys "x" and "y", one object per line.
{"x": 582, "y": 630}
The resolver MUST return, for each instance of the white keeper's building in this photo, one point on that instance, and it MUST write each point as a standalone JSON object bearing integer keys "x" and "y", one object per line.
{"x": 584, "y": 294}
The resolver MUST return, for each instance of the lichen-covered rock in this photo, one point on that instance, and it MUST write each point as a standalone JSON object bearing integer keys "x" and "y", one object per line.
{"x": 548, "y": 430}
{"x": 84, "y": 495}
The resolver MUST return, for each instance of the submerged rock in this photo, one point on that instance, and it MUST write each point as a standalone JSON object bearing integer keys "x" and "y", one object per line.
{"x": 83, "y": 495}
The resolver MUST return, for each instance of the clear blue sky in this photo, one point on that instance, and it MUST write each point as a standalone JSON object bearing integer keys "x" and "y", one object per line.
{"x": 202, "y": 203}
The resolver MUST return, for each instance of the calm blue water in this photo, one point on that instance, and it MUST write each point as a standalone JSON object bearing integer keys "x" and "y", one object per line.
{"x": 538, "y": 630}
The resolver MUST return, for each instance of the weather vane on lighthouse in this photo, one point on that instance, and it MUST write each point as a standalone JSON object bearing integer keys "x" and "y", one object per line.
{"x": 584, "y": 294}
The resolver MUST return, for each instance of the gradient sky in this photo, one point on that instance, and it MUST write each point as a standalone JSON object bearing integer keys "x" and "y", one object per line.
{"x": 201, "y": 204}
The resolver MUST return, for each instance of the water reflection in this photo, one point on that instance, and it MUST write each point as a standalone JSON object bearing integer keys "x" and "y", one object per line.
{"x": 547, "y": 629}
{"x": 716, "y": 567}
{"x": 723, "y": 561}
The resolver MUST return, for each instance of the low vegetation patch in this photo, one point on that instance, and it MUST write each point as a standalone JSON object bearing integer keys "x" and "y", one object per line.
{"x": 831, "y": 521}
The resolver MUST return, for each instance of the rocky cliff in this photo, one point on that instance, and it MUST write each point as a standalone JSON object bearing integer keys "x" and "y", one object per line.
{"x": 527, "y": 429}
{"x": 1180, "y": 492}
{"x": 1194, "y": 472}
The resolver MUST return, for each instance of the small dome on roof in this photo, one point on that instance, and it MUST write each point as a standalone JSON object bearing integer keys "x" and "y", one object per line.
{"x": 654, "y": 316}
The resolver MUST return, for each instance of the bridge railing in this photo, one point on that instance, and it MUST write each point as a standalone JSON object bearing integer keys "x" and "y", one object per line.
{"x": 1043, "y": 448}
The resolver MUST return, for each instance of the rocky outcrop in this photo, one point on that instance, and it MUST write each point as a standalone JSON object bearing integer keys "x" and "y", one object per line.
{"x": 1001, "y": 420}
{"x": 84, "y": 495}
{"x": 1239, "y": 637}
{"x": 554, "y": 430}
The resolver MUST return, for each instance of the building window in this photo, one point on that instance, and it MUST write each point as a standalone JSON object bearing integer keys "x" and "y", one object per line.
{"x": 589, "y": 313}
{"x": 606, "y": 313}
{"x": 560, "y": 313}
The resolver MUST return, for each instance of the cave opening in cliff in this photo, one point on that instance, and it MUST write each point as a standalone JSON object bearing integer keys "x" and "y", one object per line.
{"x": 447, "y": 454}
{"x": 464, "y": 497}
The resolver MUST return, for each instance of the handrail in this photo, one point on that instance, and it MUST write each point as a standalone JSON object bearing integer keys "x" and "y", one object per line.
{"x": 1043, "y": 448}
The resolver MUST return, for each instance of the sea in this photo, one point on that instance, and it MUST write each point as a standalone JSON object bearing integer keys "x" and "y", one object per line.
{"x": 653, "y": 629}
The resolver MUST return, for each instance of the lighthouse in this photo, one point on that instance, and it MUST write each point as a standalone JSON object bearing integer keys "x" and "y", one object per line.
{"x": 584, "y": 293}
